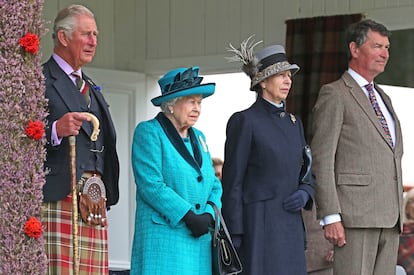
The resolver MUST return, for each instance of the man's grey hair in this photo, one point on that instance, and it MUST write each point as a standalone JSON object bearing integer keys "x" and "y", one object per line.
{"x": 67, "y": 19}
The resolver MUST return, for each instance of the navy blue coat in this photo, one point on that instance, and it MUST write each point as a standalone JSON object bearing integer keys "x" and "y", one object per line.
{"x": 263, "y": 159}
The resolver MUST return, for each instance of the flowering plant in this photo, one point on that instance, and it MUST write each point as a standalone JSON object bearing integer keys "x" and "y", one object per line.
{"x": 33, "y": 228}
{"x": 35, "y": 129}
{"x": 30, "y": 42}
{"x": 22, "y": 96}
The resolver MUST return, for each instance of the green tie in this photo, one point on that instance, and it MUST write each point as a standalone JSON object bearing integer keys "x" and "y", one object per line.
{"x": 83, "y": 87}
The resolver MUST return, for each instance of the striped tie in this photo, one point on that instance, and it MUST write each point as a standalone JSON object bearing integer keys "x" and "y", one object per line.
{"x": 82, "y": 86}
{"x": 378, "y": 112}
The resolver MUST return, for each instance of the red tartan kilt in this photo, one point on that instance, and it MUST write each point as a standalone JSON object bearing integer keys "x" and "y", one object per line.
{"x": 93, "y": 241}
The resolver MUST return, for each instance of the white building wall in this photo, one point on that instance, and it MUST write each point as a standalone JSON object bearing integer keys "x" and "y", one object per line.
{"x": 152, "y": 36}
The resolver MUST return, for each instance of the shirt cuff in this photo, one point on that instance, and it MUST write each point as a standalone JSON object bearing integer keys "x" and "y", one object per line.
{"x": 330, "y": 219}
{"x": 54, "y": 137}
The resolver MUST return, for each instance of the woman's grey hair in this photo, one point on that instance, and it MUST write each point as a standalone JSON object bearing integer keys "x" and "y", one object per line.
{"x": 358, "y": 32}
{"x": 66, "y": 20}
{"x": 165, "y": 105}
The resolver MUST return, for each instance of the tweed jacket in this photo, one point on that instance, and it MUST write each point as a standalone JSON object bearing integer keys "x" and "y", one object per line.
{"x": 170, "y": 182}
{"x": 358, "y": 174}
{"x": 64, "y": 97}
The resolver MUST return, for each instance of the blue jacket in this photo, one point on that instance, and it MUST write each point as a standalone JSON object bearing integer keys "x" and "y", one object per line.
{"x": 262, "y": 164}
{"x": 170, "y": 182}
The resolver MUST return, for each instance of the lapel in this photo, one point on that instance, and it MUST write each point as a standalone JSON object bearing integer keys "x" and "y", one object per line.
{"x": 68, "y": 92}
{"x": 96, "y": 93}
{"x": 176, "y": 140}
{"x": 388, "y": 104}
{"x": 363, "y": 101}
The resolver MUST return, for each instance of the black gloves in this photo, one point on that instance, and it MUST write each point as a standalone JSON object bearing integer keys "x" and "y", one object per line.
{"x": 296, "y": 201}
{"x": 198, "y": 224}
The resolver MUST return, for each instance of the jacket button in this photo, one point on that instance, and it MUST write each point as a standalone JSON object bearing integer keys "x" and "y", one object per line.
{"x": 199, "y": 178}
{"x": 197, "y": 206}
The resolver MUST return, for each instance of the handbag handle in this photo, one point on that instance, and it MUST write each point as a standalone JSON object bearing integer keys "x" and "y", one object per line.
{"x": 228, "y": 260}
{"x": 218, "y": 218}
{"x": 305, "y": 176}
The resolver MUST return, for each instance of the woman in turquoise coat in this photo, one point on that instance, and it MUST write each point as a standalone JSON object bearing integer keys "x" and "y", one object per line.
{"x": 175, "y": 178}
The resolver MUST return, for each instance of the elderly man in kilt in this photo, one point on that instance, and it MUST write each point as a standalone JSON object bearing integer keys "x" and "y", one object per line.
{"x": 72, "y": 100}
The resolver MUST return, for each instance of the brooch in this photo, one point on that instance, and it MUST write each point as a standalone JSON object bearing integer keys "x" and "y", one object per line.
{"x": 203, "y": 143}
{"x": 95, "y": 87}
{"x": 293, "y": 118}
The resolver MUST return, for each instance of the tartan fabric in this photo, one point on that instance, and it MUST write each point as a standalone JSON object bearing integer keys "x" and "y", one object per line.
{"x": 93, "y": 241}
{"x": 318, "y": 46}
{"x": 406, "y": 249}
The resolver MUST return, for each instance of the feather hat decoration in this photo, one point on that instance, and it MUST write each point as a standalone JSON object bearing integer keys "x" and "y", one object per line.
{"x": 245, "y": 55}
{"x": 259, "y": 66}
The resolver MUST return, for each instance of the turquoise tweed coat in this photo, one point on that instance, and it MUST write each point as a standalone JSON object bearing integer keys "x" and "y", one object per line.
{"x": 170, "y": 182}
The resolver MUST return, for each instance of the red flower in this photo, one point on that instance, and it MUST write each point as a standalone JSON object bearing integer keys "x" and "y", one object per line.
{"x": 33, "y": 228}
{"x": 35, "y": 129}
{"x": 30, "y": 42}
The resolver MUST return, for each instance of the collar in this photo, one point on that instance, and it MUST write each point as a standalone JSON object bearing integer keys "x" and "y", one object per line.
{"x": 178, "y": 142}
{"x": 358, "y": 78}
{"x": 65, "y": 65}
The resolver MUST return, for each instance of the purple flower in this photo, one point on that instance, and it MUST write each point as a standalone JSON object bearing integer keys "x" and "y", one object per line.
{"x": 22, "y": 177}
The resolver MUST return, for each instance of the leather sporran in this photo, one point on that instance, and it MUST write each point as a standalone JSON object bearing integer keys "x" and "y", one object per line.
{"x": 92, "y": 202}
{"x": 225, "y": 260}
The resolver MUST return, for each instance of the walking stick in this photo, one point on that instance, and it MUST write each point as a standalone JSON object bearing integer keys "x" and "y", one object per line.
{"x": 75, "y": 221}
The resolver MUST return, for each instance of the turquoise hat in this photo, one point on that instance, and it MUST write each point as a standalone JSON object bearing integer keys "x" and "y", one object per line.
{"x": 182, "y": 82}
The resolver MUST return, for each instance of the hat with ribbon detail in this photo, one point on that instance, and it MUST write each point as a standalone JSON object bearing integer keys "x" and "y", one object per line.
{"x": 272, "y": 60}
{"x": 182, "y": 82}
{"x": 265, "y": 63}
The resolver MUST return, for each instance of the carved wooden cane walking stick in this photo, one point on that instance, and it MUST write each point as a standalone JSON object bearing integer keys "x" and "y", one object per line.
{"x": 75, "y": 221}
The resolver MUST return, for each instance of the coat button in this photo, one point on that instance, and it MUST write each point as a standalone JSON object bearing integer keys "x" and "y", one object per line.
{"x": 199, "y": 178}
{"x": 197, "y": 206}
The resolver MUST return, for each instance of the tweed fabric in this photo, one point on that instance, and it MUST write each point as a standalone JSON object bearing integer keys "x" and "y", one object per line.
{"x": 367, "y": 251}
{"x": 358, "y": 175}
{"x": 93, "y": 241}
{"x": 167, "y": 187}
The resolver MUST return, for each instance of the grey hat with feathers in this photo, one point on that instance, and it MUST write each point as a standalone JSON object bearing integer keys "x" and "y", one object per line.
{"x": 268, "y": 61}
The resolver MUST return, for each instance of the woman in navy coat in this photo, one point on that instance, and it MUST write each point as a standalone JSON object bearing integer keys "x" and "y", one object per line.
{"x": 264, "y": 189}
{"x": 175, "y": 179}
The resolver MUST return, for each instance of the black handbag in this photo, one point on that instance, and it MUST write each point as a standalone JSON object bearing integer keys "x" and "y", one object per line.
{"x": 225, "y": 259}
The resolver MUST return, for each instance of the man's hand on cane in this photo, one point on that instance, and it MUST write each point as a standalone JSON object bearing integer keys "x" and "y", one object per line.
{"x": 70, "y": 123}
